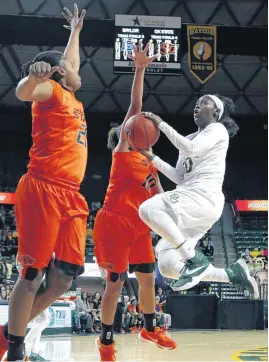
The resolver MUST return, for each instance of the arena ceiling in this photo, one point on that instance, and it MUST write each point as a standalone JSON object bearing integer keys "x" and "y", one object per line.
{"x": 242, "y": 77}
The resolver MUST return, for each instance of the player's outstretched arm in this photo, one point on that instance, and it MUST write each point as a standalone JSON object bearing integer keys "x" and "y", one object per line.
{"x": 173, "y": 173}
{"x": 75, "y": 25}
{"x": 141, "y": 62}
{"x": 203, "y": 142}
{"x": 36, "y": 86}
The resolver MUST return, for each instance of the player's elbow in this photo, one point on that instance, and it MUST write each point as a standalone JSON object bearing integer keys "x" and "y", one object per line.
{"x": 22, "y": 95}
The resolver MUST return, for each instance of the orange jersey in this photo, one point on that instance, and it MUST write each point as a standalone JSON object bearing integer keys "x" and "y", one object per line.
{"x": 132, "y": 181}
{"x": 59, "y": 132}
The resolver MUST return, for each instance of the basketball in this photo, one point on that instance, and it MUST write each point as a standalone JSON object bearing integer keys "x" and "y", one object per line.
{"x": 142, "y": 133}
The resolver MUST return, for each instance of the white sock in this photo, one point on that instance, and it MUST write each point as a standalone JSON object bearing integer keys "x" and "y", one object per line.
{"x": 177, "y": 267}
{"x": 216, "y": 275}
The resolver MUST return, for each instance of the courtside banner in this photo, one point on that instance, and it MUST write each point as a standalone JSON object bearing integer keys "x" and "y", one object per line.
{"x": 202, "y": 51}
{"x": 251, "y": 205}
{"x": 92, "y": 270}
{"x": 7, "y": 198}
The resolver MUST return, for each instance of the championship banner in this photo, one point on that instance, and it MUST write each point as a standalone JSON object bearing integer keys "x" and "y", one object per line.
{"x": 202, "y": 51}
{"x": 251, "y": 205}
{"x": 7, "y": 198}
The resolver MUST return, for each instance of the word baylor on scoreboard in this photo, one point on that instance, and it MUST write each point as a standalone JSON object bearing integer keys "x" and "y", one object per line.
{"x": 163, "y": 34}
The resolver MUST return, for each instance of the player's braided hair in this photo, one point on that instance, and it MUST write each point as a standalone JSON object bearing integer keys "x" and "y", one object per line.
{"x": 53, "y": 57}
{"x": 226, "y": 120}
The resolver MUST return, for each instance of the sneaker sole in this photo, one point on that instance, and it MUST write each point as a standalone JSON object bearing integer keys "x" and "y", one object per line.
{"x": 153, "y": 342}
{"x": 252, "y": 280}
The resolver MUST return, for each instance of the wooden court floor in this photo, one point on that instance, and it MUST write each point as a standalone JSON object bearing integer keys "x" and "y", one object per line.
{"x": 192, "y": 346}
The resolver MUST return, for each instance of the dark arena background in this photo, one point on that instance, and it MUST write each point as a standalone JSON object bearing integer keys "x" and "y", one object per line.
{"x": 212, "y": 321}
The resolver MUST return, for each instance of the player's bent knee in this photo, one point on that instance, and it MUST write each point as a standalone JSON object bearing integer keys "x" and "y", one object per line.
{"x": 143, "y": 211}
{"x": 31, "y": 279}
{"x": 64, "y": 283}
{"x": 114, "y": 287}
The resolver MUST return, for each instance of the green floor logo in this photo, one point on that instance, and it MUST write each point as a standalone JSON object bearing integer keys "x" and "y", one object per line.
{"x": 256, "y": 354}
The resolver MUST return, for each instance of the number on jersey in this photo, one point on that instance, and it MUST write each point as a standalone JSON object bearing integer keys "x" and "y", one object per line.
{"x": 149, "y": 182}
{"x": 82, "y": 135}
{"x": 188, "y": 163}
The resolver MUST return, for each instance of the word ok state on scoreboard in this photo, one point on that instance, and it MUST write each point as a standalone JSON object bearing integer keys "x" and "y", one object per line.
{"x": 163, "y": 34}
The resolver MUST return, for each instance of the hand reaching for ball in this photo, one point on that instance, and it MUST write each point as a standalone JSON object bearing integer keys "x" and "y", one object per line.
{"x": 147, "y": 153}
{"x": 140, "y": 56}
{"x": 153, "y": 117}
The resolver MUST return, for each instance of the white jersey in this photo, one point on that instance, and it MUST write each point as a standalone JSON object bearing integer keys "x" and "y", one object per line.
{"x": 202, "y": 158}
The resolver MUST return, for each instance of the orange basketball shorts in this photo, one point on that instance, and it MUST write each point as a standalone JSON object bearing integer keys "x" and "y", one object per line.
{"x": 50, "y": 219}
{"x": 120, "y": 243}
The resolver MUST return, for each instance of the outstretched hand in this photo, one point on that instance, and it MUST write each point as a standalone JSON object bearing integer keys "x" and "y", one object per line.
{"x": 140, "y": 56}
{"x": 147, "y": 153}
{"x": 153, "y": 117}
{"x": 75, "y": 22}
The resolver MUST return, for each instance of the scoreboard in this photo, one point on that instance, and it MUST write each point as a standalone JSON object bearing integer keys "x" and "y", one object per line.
{"x": 163, "y": 33}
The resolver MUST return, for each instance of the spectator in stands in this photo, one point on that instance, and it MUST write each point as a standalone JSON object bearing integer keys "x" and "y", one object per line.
{"x": 133, "y": 312}
{"x": 255, "y": 253}
{"x": 91, "y": 221}
{"x": 81, "y": 316}
{"x": 96, "y": 306}
{"x": 245, "y": 254}
{"x": 3, "y": 270}
{"x": 163, "y": 319}
{"x": 2, "y": 216}
{"x": 119, "y": 314}
{"x": 3, "y": 293}
{"x": 208, "y": 249}
{"x": 126, "y": 318}
{"x": 159, "y": 312}
{"x": 86, "y": 303}
{"x": 163, "y": 298}
{"x": 9, "y": 269}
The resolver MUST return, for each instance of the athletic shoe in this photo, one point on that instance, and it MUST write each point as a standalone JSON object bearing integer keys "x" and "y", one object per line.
{"x": 3, "y": 343}
{"x": 192, "y": 273}
{"x": 158, "y": 337}
{"x": 239, "y": 274}
{"x": 107, "y": 353}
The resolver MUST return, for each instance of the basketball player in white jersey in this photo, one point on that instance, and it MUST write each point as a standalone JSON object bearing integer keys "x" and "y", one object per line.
{"x": 182, "y": 216}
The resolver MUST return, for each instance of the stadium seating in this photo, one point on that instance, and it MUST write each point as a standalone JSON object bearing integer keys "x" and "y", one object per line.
{"x": 250, "y": 239}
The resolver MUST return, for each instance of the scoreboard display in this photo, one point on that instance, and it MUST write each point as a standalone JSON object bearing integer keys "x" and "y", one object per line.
{"x": 163, "y": 34}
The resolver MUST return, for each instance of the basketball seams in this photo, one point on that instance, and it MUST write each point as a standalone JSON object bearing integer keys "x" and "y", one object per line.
{"x": 145, "y": 131}
{"x": 148, "y": 128}
{"x": 142, "y": 132}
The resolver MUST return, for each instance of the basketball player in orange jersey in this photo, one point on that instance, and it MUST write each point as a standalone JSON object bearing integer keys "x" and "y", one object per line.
{"x": 121, "y": 239}
{"x": 51, "y": 213}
